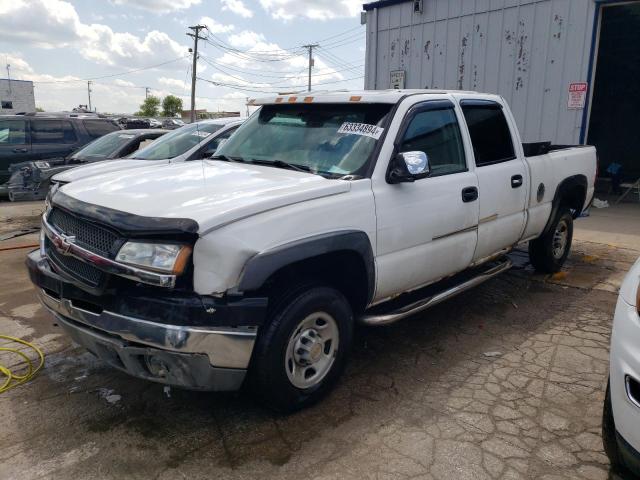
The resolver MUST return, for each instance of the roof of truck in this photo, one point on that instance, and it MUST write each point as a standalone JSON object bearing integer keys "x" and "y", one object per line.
{"x": 347, "y": 96}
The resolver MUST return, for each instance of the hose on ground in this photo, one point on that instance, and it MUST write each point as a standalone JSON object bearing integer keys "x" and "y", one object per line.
{"x": 13, "y": 379}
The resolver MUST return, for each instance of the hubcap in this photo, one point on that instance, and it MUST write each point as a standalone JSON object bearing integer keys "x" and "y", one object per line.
{"x": 560, "y": 240}
{"x": 311, "y": 350}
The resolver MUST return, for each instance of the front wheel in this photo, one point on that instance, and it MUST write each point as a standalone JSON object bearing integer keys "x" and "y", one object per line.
{"x": 302, "y": 350}
{"x": 549, "y": 252}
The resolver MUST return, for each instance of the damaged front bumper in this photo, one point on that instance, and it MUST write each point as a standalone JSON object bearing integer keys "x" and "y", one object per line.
{"x": 192, "y": 356}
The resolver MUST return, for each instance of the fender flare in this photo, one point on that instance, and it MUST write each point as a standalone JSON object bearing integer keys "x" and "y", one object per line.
{"x": 563, "y": 187}
{"x": 261, "y": 266}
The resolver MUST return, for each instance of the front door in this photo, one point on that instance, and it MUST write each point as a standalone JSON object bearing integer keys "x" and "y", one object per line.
{"x": 427, "y": 228}
{"x": 502, "y": 177}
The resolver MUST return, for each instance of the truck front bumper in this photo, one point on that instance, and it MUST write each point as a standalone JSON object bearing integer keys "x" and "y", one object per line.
{"x": 190, "y": 356}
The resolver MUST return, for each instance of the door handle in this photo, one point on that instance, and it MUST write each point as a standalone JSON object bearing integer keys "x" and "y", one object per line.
{"x": 20, "y": 150}
{"x": 469, "y": 194}
{"x": 516, "y": 181}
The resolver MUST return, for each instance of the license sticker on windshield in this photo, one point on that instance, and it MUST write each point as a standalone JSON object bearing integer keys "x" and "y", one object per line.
{"x": 363, "y": 129}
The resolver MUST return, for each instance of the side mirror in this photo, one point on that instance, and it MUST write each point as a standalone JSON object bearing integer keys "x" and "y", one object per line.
{"x": 408, "y": 167}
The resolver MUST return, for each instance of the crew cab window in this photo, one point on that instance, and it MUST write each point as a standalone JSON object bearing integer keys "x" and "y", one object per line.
{"x": 490, "y": 135}
{"x": 436, "y": 133}
{"x": 213, "y": 145}
{"x": 98, "y": 128}
{"x": 12, "y": 132}
{"x": 52, "y": 131}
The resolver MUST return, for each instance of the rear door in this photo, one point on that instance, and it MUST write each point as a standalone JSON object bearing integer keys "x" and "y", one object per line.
{"x": 52, "y": 138}
{"x": 14, "y": 145}
{"x": 502, "y": 176}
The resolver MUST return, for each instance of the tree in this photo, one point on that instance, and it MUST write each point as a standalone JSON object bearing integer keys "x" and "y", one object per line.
{"x": 150, "y": 107}
{"x": 39, "y": 109}
{"x": 171, "y": 106}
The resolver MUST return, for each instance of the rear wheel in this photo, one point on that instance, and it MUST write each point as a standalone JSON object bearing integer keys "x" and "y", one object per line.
{"x": 302, "y": 350}
{"x": 549, "y": 252}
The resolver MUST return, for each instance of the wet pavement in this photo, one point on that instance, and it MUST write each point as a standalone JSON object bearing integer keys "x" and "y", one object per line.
{"x": 505, "y": 381}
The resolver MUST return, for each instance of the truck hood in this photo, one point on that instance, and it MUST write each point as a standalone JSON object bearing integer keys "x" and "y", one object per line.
{"x": 213, "y": 193}
{"x": 106, "y": 166}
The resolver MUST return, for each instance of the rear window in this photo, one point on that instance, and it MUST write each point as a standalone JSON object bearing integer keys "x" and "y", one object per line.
{"x": 52, "y": 131}
{"x": 98, "y": 128}
{"x": 490, "y": 135}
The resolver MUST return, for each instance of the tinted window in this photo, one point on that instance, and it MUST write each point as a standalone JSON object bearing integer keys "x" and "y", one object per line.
{"x": 436, "y": 133}
{"x": 98, "y": 128}
{"x": 12, "y": 132}
{"x": 52, "y": 131}
{"x": 213, "y": 145}
{"x": 490, "y": 134}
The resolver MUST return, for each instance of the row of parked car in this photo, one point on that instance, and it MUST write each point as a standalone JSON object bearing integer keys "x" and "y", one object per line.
{"x": 137, "y": 123}
{"x": 33, "y": 149}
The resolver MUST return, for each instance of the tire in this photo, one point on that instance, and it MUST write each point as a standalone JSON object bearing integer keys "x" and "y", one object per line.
{"x": 549, "y": 252}
{"x": 609, "y": 441}
{"x": 302, "y": 350}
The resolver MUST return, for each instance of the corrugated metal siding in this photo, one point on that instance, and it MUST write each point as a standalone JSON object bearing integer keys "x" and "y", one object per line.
{"x": 528, "y": 51}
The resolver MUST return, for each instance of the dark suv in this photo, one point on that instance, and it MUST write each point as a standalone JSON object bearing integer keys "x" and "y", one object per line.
{"x": 46, "y": 136}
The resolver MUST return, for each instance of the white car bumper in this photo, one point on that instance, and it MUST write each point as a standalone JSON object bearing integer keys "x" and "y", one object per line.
{"x": 625, "y": 372}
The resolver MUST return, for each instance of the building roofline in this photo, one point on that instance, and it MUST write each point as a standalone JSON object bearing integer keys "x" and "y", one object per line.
{"x": 15, "y": 80}
{"x": 382, "y": 3}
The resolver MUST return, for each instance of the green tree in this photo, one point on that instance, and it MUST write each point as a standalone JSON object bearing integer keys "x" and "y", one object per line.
{"x": 150, "y": 107}
{"x": 39, "y": 109}
{"x": 171, "y": 106}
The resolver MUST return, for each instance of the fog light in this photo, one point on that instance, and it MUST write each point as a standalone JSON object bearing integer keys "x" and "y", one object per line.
{"x": 156, "y": 367}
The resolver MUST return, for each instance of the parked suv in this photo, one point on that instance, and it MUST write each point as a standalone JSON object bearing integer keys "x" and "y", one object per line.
{"x": 42, "y": 137}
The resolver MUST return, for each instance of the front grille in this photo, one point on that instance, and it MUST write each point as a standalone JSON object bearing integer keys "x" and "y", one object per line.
{"x": 90, "y": 236}
{"x": 75, "y": 268}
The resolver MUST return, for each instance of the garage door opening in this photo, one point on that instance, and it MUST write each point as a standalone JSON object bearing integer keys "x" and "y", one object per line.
{"x": 616, "y": 96}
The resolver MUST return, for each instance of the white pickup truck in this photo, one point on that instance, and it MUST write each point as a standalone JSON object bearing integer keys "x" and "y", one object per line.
{"x": 321, "y": 210}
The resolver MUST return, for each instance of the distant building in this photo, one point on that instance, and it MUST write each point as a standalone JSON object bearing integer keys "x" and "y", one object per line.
{"x": 203, "y": 114}
{"x": 16, "y": 96}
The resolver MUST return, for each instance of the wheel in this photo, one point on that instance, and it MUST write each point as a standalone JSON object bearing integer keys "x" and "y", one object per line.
{"x": 609, "y": 436}
{"x": 302, "y": 350}
{"x": 549, "y": 252}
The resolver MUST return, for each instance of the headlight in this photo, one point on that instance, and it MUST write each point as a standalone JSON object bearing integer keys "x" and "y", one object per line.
{"x": 163, "y": 257}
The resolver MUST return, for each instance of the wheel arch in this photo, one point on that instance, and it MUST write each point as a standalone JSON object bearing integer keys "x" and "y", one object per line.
{"x": 571, "y": 193}
{"x": 344, "y": 259}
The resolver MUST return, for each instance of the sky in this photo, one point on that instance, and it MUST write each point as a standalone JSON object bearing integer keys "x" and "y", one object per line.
{"x": 252, "y": 48}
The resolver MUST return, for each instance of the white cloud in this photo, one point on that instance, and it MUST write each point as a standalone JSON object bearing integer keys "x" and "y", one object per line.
{"x": 245, "y": 39}
{"x": 174, "y": 83}
{"x": 123, "y": 83}
{"x": 314, "y": 9}
{"x": 55, "y": 24}
{"x": 238, "y": 7}
{"x": 215, "y": 27}
{"x": 158, "y": 6}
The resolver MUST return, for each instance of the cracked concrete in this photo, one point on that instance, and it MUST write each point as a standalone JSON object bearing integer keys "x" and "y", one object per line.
{"x": 504, "y": 382}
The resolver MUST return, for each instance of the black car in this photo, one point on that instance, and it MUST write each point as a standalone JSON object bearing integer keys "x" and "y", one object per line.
{"x": 46, "y": 136}
{"x": 30, "y": 180}
{"x": 137, "y": 123}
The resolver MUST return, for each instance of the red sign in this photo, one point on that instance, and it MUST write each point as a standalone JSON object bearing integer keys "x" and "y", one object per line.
{"x": 577, "y": 94}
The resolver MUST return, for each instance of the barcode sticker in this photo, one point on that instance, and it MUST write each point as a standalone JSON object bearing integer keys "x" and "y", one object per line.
{"x": 363, "y": 129}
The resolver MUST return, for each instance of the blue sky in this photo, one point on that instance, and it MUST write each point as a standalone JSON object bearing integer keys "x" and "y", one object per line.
{"x": 253, "y": 48}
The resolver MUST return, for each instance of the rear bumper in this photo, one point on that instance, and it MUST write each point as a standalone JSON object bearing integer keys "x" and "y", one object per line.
{"x": 190, "y": 356}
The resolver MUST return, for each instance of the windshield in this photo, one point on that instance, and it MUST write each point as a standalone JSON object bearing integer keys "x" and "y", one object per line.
{"x": 104, "y": 146}
{"x": 334, "y": 139}
{"x": 177, "y": 142}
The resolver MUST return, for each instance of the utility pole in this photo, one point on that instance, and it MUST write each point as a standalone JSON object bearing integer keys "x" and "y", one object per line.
{"x": 9, "y": 77}
{"x": 196, "y": 36}
{"x": 89, "y": 93}
{"x": 310, "y": 48}
{"x": 247, "y": 104}
{"x": 146, "y": 92}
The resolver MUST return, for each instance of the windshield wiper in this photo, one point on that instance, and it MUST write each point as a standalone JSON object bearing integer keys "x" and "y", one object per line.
{"x": 227, "y": 158}
{"x": 282, "y": 164}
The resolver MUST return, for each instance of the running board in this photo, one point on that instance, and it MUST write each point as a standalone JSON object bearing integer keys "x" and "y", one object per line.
{"x": 434, "y": 298}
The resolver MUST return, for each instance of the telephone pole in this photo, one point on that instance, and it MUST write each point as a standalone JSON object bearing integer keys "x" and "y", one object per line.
{"x": 146, "y": 92}
{"x": 311, "y": 62}
{"x": 9, "y": 76}
{"x": 89, "y": 93}
{"x": 196, "y": 36}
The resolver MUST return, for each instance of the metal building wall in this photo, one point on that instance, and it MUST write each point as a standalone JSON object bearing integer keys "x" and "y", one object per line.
{"x": 528, "y": 51}
{"x": 20, "y": 93}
